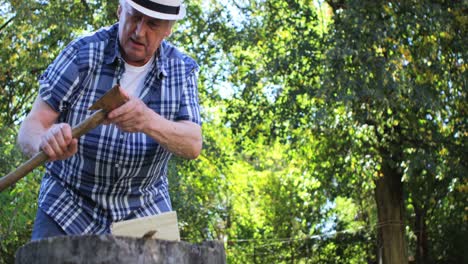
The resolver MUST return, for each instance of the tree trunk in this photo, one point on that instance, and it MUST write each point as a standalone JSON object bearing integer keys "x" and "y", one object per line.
{"x": 389, "y": 200}
{"x": 109, "y": 249}
{"x": 421, "y": 235}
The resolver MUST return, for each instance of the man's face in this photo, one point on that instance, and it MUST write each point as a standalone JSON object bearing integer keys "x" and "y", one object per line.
{"x": 140, "y": 35}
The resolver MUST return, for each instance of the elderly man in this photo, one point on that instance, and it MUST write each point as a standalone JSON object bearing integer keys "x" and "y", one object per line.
{"x": 118, "y": 170}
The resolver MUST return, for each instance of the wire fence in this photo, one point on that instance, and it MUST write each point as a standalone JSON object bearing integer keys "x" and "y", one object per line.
{"x": 347, "y": 246}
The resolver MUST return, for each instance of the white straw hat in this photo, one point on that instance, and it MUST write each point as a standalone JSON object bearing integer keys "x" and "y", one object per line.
{"x": 162, "y": 9}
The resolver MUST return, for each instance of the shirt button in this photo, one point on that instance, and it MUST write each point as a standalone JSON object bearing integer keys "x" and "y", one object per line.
{"x": 117, "y": 165}
{"x": 121, "y": 136}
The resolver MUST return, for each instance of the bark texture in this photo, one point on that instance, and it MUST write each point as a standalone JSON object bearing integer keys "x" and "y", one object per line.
{"x": 110, "y": 249}
{"x": 389, "y": 199}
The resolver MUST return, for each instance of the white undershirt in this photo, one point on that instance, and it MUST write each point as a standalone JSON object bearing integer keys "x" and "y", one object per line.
{"x": 134, "y": 77}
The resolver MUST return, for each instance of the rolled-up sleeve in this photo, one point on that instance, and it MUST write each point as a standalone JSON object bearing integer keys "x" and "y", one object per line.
{"x": 189, "y": 104}
{"x": 59, "y": 80}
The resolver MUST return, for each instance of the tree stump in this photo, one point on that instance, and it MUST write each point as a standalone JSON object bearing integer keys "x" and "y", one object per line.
{"x": 114, "y": 249}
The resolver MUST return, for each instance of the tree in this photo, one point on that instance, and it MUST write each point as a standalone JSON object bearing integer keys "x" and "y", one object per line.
{"x": 393, "y": 66}
{"x": 379, "y": 98}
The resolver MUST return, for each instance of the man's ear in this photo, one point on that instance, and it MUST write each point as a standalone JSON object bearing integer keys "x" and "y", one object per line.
{"x": 168, "y": 32}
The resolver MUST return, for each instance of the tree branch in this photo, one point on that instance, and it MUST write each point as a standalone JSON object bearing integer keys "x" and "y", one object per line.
{"x": 6, "y": 23}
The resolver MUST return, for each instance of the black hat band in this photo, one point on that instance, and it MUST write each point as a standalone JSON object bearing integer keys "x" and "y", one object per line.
{"x": 173, "y": 10}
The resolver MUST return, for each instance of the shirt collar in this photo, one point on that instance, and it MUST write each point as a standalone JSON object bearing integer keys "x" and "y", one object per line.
{"x": 112, "y": 50}
{"x": 161, "y": 61}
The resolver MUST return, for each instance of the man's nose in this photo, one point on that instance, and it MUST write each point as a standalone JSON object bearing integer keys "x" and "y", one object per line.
{"x": 140, "y": 28}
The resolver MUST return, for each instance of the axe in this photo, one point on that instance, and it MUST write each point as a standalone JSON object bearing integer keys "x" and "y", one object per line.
{"x": 114, "y": 98}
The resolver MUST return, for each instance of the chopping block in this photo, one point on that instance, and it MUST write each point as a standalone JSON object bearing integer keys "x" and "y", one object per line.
{"x": 93, "y": 249}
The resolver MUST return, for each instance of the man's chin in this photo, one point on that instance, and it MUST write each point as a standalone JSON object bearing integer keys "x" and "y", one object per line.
{"x": 134, "y": 58}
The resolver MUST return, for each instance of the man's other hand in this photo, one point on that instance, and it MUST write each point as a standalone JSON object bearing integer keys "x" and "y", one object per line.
{"x": 58, "y": 143}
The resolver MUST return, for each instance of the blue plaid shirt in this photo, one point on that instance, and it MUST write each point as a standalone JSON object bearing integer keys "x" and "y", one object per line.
{"x": 115, "y": 175}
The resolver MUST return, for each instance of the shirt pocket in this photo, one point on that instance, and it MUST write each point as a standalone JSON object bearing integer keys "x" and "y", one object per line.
{"x": 164, "y": 99}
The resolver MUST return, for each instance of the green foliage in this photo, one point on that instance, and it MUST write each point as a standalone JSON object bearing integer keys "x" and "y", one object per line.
{"x": 31, "y": 35}
{"x": 17, "y": 204}
{"x": 393, "y": 70}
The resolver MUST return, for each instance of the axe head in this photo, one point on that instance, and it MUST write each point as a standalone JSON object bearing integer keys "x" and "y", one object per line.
{"x": 112, "y": 99}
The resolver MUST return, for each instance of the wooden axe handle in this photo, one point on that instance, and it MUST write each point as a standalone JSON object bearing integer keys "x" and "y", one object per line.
{"x": 38, "y": 159}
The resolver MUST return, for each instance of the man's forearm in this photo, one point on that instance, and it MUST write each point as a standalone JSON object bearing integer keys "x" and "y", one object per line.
{"x": 34, "y": 126}
{"x": 29, "y": 136}
{"x": 183, "y": 138}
